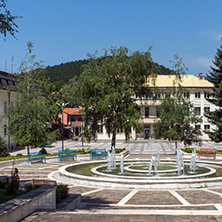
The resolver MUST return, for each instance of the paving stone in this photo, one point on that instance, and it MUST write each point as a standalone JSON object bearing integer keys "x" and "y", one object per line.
{"x": 107, "y": 196}
{"x": 153, "y": 198}
{"x": 200, "y": 196}
{"x": 80, "y": 189}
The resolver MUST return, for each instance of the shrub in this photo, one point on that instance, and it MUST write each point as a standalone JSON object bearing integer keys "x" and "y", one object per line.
{"x": 67, "y": 149}
{"x": 3, "y": 183}
{"x": 188, "y": 150}
{"x": 19, "y": 154}
{"x": 61, "y": 192}
{"x": 43, "y": 151}
{"x": 3, "y": 148}
{"x": 29, "y": 187}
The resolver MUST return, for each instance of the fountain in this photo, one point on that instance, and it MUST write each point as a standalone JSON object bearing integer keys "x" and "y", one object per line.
{"x": 122, "y": 165}
{"x": 193, "y": 162}
{"x": 133, "y": 173}
{"x": 153, "y": 164}
{"x": 109, "y": 162}
{"x": 158, "y": 156}
{"x": 113, "y": 158}
{"x": 180, "y": 162}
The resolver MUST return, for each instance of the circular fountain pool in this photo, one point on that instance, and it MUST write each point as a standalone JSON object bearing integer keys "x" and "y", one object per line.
{"x": 95, "y": 174}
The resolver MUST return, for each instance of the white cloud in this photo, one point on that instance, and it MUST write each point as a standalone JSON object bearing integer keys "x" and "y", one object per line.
{"x": 211, "y": 35}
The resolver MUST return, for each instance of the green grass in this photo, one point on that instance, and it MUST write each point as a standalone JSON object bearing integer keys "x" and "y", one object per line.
{"x": 159, "y": 167}
{"x": 6, "y": 197}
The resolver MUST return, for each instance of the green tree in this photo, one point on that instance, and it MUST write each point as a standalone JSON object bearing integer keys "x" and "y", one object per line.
{"x": 215, "y": 97}
{"x": 7, "y": 21}
{"x": 177, "y": 119}
{"x": 70, "y": 93}
{"x": 176, "y": 112}
{"x": 3, "y": 148}
{"x": 107, "y": 87}
{"x": 31, "y": 111}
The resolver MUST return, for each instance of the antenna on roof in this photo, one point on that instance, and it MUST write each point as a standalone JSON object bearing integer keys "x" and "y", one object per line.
{"x": 12, "y": 64}
{"x": 5, "y": 65}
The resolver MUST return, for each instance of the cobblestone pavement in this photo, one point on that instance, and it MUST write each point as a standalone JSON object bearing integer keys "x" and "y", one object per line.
{"x": 104, "y": 204}
{"x": 134, "y": 147}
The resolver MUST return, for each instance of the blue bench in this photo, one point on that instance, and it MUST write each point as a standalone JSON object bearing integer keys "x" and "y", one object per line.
{"x": 63, "y": 153}
{"x": 36, "y": 155}
{"x": 98, "y": 152}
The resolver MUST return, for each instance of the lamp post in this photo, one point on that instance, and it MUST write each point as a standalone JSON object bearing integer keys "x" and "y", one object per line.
{"x": 62, "y": 105}
{"x": 82, "y": 132}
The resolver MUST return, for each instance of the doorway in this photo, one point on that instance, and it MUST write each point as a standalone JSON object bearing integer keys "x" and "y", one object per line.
{"x": 146, "y": 133}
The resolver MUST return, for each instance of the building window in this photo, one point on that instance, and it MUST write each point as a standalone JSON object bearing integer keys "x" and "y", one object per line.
{"x": 197, "y": 111}
{"x": 197, "y": 95}
{"x": 73, "y": 118}
{"x": 147, "y": 113}
{"x": 100, "y": 129}
{"x": 206, "y": 95}
{"x": 206, "y": 109}
{"x": 5, "y": 130}
{"x": 197, "y": 127}
{"x": 187, "y": 95}
{"x": 207, "y": 127}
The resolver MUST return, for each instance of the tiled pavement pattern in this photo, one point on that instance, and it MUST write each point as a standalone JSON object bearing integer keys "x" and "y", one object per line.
{"x": 103, "y": 204}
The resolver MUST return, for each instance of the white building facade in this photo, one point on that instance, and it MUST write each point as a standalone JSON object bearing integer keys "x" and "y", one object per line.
{"x": 7, "y": 95}
{"x": 197, "y": 88}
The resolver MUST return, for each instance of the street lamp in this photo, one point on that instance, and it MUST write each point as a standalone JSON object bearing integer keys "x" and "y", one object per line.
{"x": 62, "y": 105}
{"x": 82, "y": 132}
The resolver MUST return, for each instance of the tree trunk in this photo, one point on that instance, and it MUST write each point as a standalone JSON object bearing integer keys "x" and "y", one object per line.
{"x": 175, "y": 147}
{"x": 28, "y": 150}
{"x": 113, "y": 140}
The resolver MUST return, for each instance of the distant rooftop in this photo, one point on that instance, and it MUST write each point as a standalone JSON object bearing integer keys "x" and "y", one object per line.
{"x": 7, "y": 80}
{"x": 73, "y": 111}
{"x": 187, "y": 81}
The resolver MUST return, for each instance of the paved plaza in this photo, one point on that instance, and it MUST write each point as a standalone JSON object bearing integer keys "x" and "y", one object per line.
{"x": 106, "y": 204}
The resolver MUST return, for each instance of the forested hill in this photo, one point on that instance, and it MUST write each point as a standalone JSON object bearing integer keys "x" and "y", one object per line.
{"x": 65, "y": 71}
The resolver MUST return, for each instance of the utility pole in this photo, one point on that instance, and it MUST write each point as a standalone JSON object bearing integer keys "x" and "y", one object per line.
{"x": 62, "y": 105}
{"x": 82, "y": 132}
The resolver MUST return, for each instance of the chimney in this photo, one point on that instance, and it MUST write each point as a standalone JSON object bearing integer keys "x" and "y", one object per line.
{"x": 154, "y": 75}
{"x": 200, "y": 75}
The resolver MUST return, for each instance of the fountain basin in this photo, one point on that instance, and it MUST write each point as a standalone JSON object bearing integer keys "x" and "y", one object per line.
{"x": 119, "y": 181}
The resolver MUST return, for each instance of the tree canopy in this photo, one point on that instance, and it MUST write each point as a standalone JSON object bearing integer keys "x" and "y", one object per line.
{"x": 215, "y": 97}
{"x": 177, "y": 119}
{"x": 31, "y": 112}
{"x": 107, "y": 87}
{"x": 176, "y": 112}
{"x": 7, "y": 21}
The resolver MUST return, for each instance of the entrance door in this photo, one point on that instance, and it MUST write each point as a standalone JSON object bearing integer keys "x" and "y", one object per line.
{"x": 146, "y": 133}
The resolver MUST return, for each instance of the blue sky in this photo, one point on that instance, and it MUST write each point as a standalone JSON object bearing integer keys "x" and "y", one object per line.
{"x": 64, "y": 31}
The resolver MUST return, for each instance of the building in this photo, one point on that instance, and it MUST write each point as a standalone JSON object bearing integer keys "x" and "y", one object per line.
{"x": 72, "y": 122}
{"x": 7, "y": 95}
{"x": 197, "y": 88}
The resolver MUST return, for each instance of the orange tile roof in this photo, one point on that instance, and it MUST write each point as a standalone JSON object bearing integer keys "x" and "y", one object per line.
{"x": 73, "y": 111}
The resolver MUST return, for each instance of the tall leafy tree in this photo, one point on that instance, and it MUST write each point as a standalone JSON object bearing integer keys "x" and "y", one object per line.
{"x": 176, "y": 112}
{"x": 215, "y": 97}
{"x": 107, "y": 87}
{"x": 7, "y": 21}
{"x": 31, "y": 111}
{"x": 177, "y": 119}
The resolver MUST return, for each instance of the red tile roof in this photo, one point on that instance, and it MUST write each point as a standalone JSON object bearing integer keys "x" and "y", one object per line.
{"x": 73, "y": 111}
